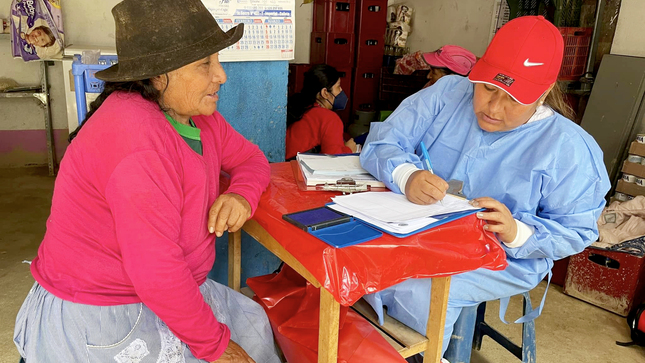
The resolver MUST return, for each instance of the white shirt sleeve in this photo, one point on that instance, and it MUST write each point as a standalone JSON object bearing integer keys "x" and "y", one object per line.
{"x": 402, "y": 173}
{"x": 524, "y": 232}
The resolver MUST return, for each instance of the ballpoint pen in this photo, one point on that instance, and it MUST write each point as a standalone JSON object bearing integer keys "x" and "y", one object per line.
{"x": 427, "y": 163}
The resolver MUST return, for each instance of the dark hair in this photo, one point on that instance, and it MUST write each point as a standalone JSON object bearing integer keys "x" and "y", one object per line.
{"x": 446, "y": 71}
{"x": 318, "y": 77}
{"x": 144, "y": 87}
{"x": 52, "y": 38}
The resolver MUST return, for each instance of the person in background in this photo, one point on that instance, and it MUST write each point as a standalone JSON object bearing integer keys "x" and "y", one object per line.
{"x": 447, "y": 60}
{"x": 121, "y": 274}
{"x": 312, "y": 124}
{"x": 506, "y": 133}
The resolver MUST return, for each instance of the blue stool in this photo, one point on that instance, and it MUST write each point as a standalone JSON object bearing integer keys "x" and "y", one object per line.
{"x": 470, "y": 328}
{"x": 85, "y": 82}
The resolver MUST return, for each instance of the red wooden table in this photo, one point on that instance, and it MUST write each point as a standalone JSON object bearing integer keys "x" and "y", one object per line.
{"x": 347, "y": 274}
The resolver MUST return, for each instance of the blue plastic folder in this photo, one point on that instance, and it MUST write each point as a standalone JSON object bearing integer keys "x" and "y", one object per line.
{"x": 336, "y": 229}
{"x": 341, "y": 230}
{"x": 347, "y": 234}
{"x": 443, "y": 219}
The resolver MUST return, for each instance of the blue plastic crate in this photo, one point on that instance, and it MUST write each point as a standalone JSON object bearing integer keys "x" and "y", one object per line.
{"x": 85, "y": 82}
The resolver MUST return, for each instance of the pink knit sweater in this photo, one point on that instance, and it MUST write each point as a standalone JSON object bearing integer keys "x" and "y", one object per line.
{"x": 129, "y": 214}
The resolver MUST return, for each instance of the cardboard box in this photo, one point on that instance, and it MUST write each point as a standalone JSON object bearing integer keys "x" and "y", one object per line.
{"x": 630, "y": 188}
{"x": 637, "y": 148}
{"x": 633, "y": 169}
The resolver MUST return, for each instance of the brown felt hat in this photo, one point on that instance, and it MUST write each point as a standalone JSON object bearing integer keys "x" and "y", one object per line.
{"x": 154, "y": 37}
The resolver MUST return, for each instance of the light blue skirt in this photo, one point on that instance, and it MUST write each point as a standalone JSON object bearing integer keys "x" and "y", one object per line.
{"x": 49, "y": 329}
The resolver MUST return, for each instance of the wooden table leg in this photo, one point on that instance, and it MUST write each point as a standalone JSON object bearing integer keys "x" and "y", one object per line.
{"x": 437, "y": 319}
{"x": 257, "y": 232}
{"x": 328, "y": 329}
{"x": 234, "y": 260}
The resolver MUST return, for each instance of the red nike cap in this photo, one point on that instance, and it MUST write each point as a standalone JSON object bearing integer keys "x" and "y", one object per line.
{"x": 523, "y": 59}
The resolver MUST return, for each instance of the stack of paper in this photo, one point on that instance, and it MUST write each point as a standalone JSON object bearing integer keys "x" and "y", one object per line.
{"x": 319, "y": 164}
{"x": 394, "y": 212}
{"x": 321, "y": 169}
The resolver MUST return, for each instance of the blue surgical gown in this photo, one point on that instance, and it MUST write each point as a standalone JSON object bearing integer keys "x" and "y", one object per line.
{"x": 549, "y": 173}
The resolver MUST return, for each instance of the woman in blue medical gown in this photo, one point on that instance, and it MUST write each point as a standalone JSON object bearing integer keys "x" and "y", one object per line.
{"x": 502, "y": 132}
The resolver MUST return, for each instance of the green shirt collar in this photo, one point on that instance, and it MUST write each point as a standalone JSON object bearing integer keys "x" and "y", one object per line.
{"x": 191, "y": 132}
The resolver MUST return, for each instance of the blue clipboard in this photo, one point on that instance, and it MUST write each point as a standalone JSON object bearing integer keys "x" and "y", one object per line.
{"x": 347, "y": 234}
{"x": 443, "y": 219}
{"x": 335, "y": 228}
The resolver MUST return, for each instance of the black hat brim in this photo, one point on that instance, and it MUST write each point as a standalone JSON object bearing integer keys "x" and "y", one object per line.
{"x": 152, "y": 65}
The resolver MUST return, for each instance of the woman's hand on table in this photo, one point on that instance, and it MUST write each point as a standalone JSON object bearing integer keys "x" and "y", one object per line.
{"x": 234, "y": 354}
{"x": 228, "y": 213}
{"x": 351, "y": 144}
{"x": 423, "y": 187}
{"x": 499, "y": 218}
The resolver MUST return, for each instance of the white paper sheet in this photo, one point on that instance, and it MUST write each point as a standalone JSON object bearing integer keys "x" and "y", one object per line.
{"x": 318, "y": 179}
{"x": 394, "y": 227}
{"x": 392, "y": 208}
{"x": 332, "y": 165}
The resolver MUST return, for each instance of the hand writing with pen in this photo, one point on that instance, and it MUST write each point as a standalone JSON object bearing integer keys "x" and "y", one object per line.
{"x": 423, "y": 186}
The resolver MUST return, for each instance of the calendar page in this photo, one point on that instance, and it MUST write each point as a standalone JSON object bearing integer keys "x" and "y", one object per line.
{"x": 268, "y": 28}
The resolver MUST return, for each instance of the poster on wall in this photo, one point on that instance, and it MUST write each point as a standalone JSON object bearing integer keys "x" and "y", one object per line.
{"x": 269, "y": 28}
{"x": 36, "y": 29}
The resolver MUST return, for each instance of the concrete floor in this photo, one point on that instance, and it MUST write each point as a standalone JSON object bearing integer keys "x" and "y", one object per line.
{"x": 569, "y": 330}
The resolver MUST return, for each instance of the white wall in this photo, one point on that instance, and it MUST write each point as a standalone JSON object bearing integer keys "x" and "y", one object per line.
{"x": 85, "y": 22}
{"x": 435, "y": 23}
{"x": 466, "y": 23}
{"x": 89, "y": 22}
{"x": 25, "y": 114}
{"x": 630, "y": 30}
{"x": 304, "y": 24}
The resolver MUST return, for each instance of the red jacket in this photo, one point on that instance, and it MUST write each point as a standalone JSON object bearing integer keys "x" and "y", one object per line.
{"x": 318, "y": 127}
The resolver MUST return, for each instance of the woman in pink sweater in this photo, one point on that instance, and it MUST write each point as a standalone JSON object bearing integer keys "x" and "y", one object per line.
{"x": 121, "y": 274}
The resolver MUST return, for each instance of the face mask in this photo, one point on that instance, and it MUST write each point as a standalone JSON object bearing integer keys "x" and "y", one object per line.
{"x": 340, "y": 101}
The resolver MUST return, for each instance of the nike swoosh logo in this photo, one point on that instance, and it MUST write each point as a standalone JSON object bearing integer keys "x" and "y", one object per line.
{"x": 531, "y": 64}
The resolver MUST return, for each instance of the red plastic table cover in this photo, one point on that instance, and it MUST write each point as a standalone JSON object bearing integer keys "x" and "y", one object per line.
{"x": 351, "y": 272}
{"x": 293, "y": 307}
